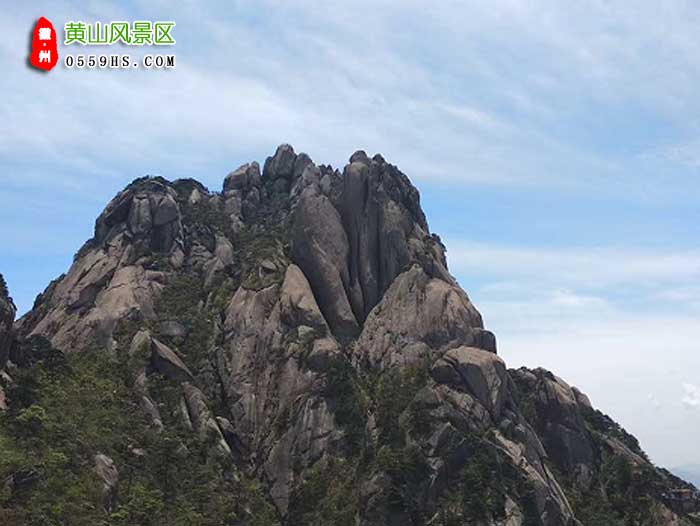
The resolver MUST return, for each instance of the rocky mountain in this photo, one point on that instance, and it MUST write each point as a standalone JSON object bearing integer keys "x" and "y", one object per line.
{"x": 293, "y": 350}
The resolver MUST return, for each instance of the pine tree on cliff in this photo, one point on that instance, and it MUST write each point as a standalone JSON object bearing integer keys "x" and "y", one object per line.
{"x": 3, "y": 286}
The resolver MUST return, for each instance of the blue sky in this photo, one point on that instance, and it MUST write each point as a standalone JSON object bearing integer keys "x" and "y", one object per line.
{"x": 556, "y": 147}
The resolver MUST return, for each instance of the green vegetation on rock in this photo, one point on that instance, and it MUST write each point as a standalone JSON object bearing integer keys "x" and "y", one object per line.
{"x": 65, "y": 412}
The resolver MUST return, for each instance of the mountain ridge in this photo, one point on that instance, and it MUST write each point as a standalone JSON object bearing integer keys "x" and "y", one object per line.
{"x": 300, "y": 330}
{"x": 691, "y": 473}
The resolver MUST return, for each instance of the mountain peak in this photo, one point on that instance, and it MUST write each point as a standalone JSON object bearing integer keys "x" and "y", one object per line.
{"x": 303, "y": 327}
{"x": 351, "y": 233}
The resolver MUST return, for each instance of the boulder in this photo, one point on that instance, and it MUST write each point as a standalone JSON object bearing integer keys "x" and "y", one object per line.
{"x": 360, "y": 157}
{"x": 244, "y": 178}
{"x": 479, "y": 372}
{"x": 202, "y": 420}
{"x": 167, "y": 362}
{"x": 150, "y": 410}
{"x": 301, "y": 162}
{"x": 140, "y": 343}
{"x": 280, "y": 165}
{"x": 297, "y": 302}
{"x": 108, "y": 473}
{"x": 417, "y": 309}
{"x": 165, "y": 210}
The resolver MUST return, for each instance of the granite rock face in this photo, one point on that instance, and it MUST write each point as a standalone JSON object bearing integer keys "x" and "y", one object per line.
{"x": 113, "y": 275}
{"x": 276, "y": 346}
{"x": 353, "y": 243}
{"x": 583, "y": 445}
{"x": 304, "y": 319}
{"x": 560, "y": 421}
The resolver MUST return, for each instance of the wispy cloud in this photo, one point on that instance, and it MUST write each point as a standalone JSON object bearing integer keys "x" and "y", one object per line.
{"x": 582, "y": 267}
{"x": 501, "y": 93}
{"x": 691, "y": 396}
{"x": 567, "y": 298}
{"x": 579, "y": 102}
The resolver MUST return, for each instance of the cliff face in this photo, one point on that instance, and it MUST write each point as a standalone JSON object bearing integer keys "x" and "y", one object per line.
{"x": 302, "y": 328}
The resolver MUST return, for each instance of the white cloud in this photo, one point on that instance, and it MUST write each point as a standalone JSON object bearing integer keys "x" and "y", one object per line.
{"x": 567, "y": 298}
{"x": 581, "y": 267}
{"x": 473, "y": 116}
{"x": 691, "y": 396}
{"x": 490, "y": 91}
{"x": 491, "y": 96}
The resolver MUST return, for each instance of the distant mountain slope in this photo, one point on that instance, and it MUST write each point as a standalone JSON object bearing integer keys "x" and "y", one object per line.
{"x": 691, "y": 473}
{"x": 293, "y": 350}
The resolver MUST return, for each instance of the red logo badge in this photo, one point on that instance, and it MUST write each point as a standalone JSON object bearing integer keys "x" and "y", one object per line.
{"x": 44, "y": 53}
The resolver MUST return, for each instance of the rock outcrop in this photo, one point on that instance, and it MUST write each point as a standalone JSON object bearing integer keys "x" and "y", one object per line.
{"x": 354, "y": 234}
{"x": 479, "y": 372}
{"x": 559, "y": 420}
{"x": 165, "y": 361}
{"x": 116, "y": 274}
{"x": 276, "y": 348}
{"x": 302, "y": 326}
{"x": 107, "y": 472}
{"x": 591, "y": 453}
